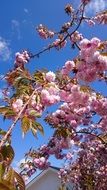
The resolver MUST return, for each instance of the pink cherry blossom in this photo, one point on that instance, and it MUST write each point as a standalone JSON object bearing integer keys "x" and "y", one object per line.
{"x": 17, "y": 105}
{"x": 69, "y": 65}
{"x": 50, "y": 96}
{"x": 22, "y": 58}
{"x": 58, "y": 44}
{"x": 43, "y": 34}
{"x": 50, "y": 76}
{"x": 76, "y": 37}
{"x": 101, "y": 18}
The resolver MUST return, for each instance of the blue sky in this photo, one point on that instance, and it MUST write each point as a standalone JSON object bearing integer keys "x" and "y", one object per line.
{"x": 19, "y": 19}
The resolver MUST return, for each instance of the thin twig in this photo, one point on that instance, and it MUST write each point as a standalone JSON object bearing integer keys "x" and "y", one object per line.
{"x": 52, "y": 45}
{"x": 89, "y": 133}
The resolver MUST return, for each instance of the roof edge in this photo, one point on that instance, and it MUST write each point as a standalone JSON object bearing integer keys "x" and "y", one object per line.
{"x": 52, "y": 168}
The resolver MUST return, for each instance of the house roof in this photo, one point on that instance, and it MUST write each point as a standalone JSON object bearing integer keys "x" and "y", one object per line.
{"x": 51, "y": 168}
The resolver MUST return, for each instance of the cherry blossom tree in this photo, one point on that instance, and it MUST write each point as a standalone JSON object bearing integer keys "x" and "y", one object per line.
{"x": 78, "y": 138}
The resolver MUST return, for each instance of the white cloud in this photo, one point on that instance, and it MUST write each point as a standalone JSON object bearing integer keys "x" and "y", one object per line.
{"x": 16, "y": 28}
{"x": 26, "y": 10}
{"x": 15, "y": 23}
{"x": 5, "y": 51}
{"x": 96, "y": 6}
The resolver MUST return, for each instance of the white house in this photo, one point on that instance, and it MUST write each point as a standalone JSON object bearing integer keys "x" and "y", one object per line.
{"x": 47, "y": 180}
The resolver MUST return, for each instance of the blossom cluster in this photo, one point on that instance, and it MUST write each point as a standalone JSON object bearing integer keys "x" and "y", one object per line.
{"x": 44, "y": 32}
{"x": 76, "y": 37}
{"x": 101, "y": 18}
{"x": 89, "y": 168}
{"x": 59, "y": 43}
{"x": 91, "y": 61}
{"x": 68, "y": 67}
{"x": 22, "y": 58}
{"x": 40, "y": 160}
{"x": 50, "y": 96}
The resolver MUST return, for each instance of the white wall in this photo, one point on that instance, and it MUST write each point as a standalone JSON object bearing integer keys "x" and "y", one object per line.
{"x": 48, "y": 181}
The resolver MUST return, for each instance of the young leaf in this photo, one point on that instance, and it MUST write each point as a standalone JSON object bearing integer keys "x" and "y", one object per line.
{"x": 104, "y": 54}
{"x": 2, "y": 132}
{"x": 34, "y": 113}
{"x": 34, "y": 129}
{"x": 39, "y": 127}
{"x": 7, "y": 111}
{"x": 20, "y": 181}
{"x": 7, "y": 153}
{"x": 25, "y": 124}
{"x": 10, "y": 180}
{"x": 2, "y": 170}
{"x": 3, "y": 109}
{"x": 4, "y": 185}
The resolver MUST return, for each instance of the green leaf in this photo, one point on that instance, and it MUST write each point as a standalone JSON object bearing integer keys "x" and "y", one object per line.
{"x": 2, "y": 170}
{"x": 84, "y": 88}
{"x": 21, "y": 81}
{"x": 7, "y": 153}
{"x": 38, "y": 99}
{"x": 9, "y": 176}
{"x": 39, "y": 127}
{"x": 104, "y": 54}
{"x": 28, "y": 124}
{"x": 3, "y": 109}
{"x": 20, "y": 181}
{"x": 2, "y": 132}
{"x": 34, "y": 113}
{"x": 25, "y": 124}
{"x": 23, "y": 89}
{"x": 34, "y": 129}
{"x": 104, "y": 138}
{"x": 39, "y": 76}
{"x": 7, "y": 111}
{"x": 10, "y": 114}
{"x": 1, "y": 157}
{"x": 4, "y": 184}
{"x": 9, "y": 180}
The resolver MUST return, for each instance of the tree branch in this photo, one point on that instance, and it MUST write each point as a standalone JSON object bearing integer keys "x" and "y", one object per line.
{"x": 89, "y": 133}
{"x": 52, "y": 45}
